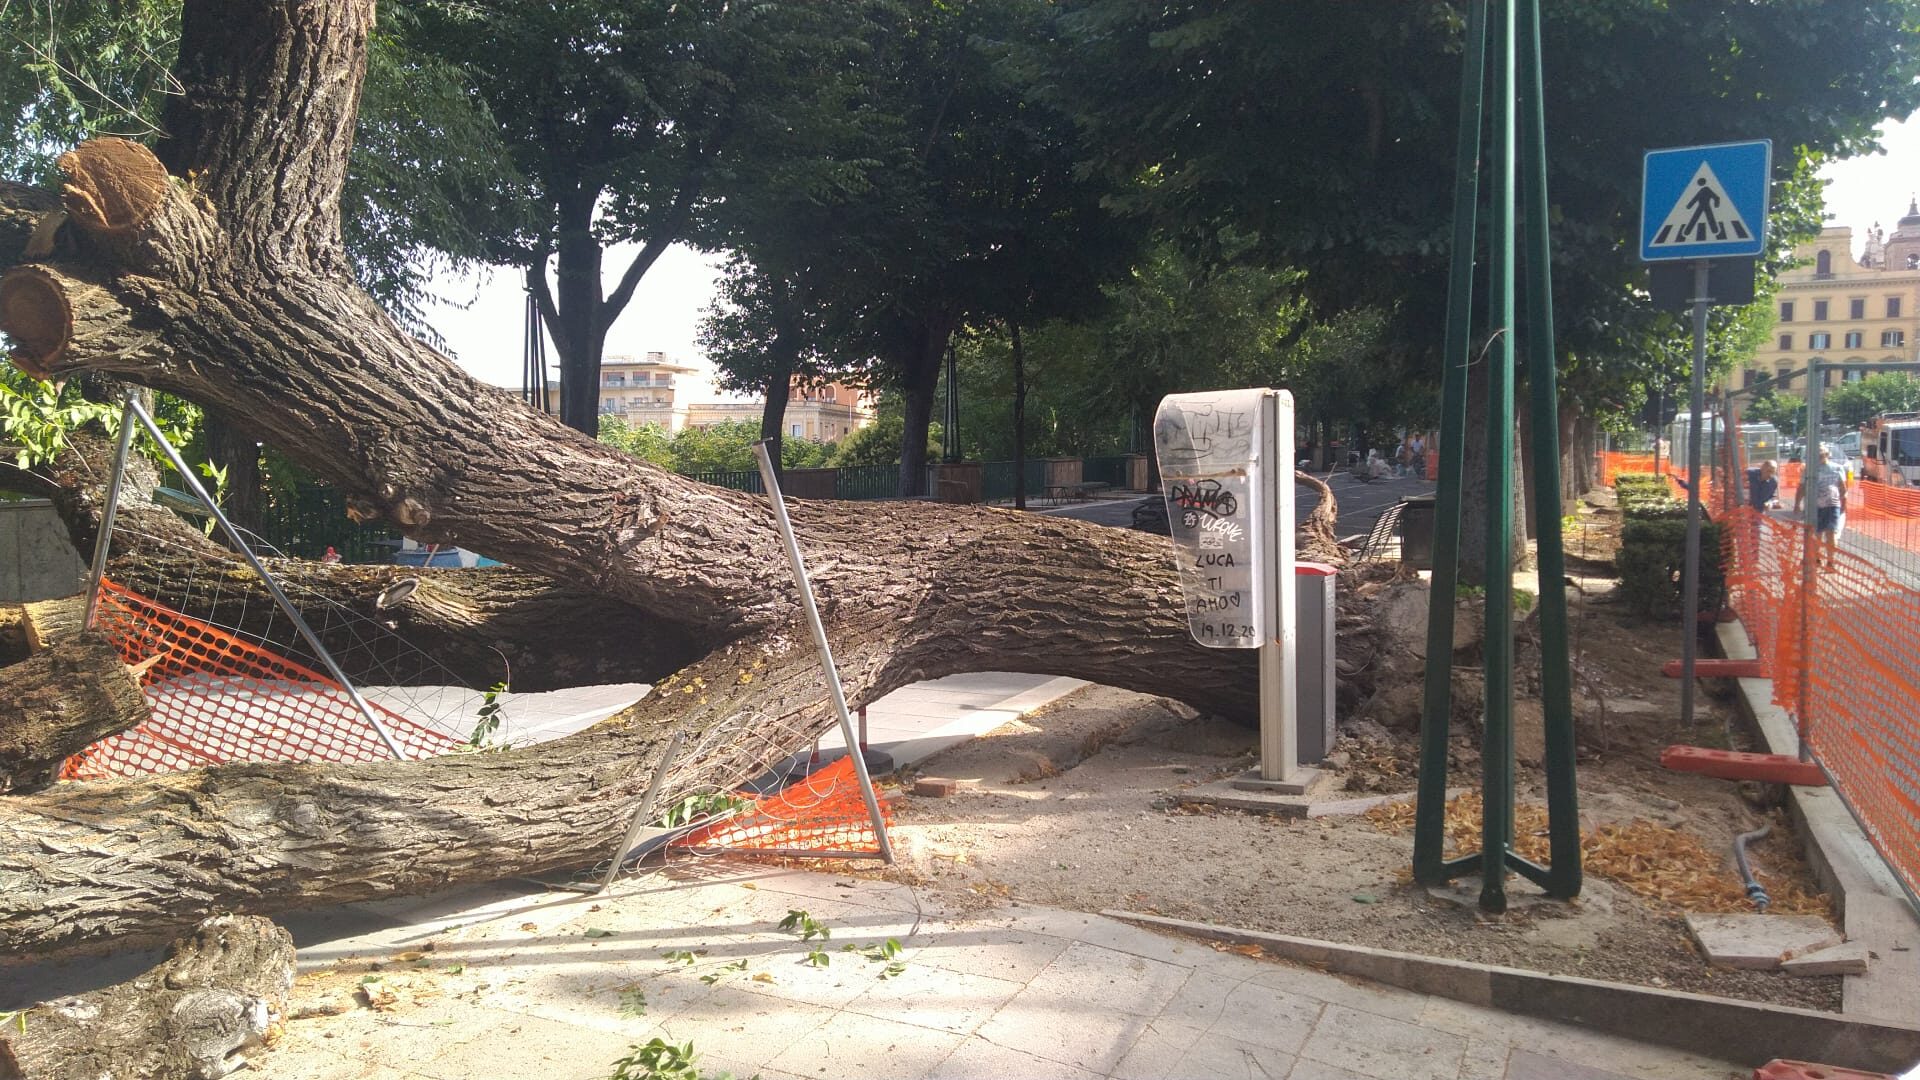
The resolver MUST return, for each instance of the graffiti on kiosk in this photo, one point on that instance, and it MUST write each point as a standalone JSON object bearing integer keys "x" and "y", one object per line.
{"x": 1214, "y": 432}
{"x": 1201, "y": 500}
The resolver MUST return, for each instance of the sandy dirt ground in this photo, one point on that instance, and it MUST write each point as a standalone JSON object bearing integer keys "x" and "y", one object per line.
{"x": 1077, "y": 806}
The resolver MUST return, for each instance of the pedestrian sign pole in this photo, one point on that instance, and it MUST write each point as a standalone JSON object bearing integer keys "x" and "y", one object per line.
{"x": 1701, "y": 203}
{"x": 1227, "y": 466}
{"x": 1518, "y": 159}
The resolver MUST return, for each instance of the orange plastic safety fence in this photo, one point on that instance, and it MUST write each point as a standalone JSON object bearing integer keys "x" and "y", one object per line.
{"x": 1844, "y": 661}
{"x": 1615, "y": 463}
{"x": 822, "y": 812}
{"x": 216, "y": 698}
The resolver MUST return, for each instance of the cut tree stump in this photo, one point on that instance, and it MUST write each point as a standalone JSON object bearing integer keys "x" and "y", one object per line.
{"x": 59, "y": 701}
{"x": 189, "y": 1017}
{"x": 49, "y": 622}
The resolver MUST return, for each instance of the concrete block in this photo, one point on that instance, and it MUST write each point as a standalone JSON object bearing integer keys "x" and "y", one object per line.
{"x": 1759, "y": 942}
{"x": 935, "y": 787}
{"x": 1847, "y": 959}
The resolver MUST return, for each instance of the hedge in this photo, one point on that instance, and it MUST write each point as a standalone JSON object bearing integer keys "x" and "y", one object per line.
{"x": 1653, "y": 547}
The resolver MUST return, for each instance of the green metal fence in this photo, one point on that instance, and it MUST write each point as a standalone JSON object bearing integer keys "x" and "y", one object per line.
{"x": 737, "y": 479}
{"x": 867, "y": 482}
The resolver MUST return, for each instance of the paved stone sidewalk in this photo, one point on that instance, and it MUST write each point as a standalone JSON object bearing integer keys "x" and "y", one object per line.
{"x": 495, "y": 983}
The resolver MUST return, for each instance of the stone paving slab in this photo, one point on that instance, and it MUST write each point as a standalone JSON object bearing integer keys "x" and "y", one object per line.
{"x": 1759, "y": 942}
{"x": 543, "y": 985}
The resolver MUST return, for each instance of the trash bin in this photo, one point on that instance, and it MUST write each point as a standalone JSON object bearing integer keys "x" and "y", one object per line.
{"x": 1416, "y": 531}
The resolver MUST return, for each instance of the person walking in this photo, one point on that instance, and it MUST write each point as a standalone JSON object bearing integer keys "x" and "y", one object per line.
{"x": 1763, "y": 486}
{"x": 1419, "y": 448}
{"x": 1829, "y": 485}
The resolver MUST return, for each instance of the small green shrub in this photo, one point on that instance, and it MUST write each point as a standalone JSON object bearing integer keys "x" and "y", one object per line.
{"x": 1653, "y": 550}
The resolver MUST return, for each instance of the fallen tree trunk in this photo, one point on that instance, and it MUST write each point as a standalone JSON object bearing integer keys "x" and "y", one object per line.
{"x": 59, "y": 701}
{"x": 235, "y": 293}
{"x": 188, "y": 1018}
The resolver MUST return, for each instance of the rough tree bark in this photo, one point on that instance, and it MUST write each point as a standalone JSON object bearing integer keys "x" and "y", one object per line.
{"x": 231, "y": 289}
{"x": 188, "y": 1018}
{"x": 59, "y": 701}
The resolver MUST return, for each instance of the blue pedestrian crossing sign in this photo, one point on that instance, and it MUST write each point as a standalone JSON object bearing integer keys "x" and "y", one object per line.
{"x": 1705, "y": 202}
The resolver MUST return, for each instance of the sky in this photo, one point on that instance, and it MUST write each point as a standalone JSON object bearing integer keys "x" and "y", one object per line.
{"x": 485, "y": 318}
{"x": 1863, "y": 190}
{"x": 484, "y": 321}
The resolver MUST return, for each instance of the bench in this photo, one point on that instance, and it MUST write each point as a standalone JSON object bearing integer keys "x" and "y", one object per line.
{"x": 1079, "y": 491}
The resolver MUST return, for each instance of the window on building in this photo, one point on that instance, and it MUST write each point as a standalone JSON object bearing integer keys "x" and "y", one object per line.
{"x": 1856, "y": 309}
{"x": 794, "y": 430}
{"x": 1853, "y": 339}
{"x": 1784, "y": 374}
{"x": 1786, "y": 311}
{"x": 1819, "y": 311}
{"x": 1819, "y": 341}
{"x": 1823, "y": 264}
{"x": 1786, "y": 342}
{"x": 615, "y": 380}
{"x": 1893, "y": 307}
{"x": 606, "y": 405}
{"x": 1852, "y": 375}
{"x": 1749, "y": 377}
{"x": 1826, "y": 377}
{"x": 1891, "y": 339}
{"x": 1913, "y": 262}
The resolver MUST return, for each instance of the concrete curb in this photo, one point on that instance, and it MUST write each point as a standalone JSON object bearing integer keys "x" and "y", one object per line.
{"x": 1722, "y": 1028}
{"x": 1873, "y": 909}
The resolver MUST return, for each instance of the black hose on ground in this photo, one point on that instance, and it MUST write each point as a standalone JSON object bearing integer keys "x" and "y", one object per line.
{"x": 1756, "y": 892}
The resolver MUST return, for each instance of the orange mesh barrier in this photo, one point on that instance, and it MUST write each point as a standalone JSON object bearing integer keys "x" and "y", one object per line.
{"x": 216, "y": 698}
{"x": 1615, "y": 463}
{"x": 1844, "y": 661}
{"x": 821, "y": 813}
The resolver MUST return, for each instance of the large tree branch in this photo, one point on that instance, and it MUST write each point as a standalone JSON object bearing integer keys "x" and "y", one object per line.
{"x": 59, "y": 701}
{"x": 668, "y": 232}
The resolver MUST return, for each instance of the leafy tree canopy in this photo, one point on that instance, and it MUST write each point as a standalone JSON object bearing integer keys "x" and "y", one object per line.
{"x": 1855, "y": 403}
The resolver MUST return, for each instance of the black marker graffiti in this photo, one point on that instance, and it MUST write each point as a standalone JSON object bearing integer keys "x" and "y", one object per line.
{"x": 1203, "y": 497}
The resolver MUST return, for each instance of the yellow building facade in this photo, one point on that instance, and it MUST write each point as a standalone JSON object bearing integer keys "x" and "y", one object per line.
{"x": 1844, "y": 309}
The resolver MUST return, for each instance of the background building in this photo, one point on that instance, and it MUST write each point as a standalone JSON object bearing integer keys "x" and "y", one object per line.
{"x": 1842, "y": 309}
{"x": 826, "y": 413}
{"x": 648, "y": 391}
{"x": 643, "y": 391}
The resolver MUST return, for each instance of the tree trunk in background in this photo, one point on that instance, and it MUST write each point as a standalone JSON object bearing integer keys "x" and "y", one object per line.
{"x": 778, "y": 389}
{"x": 580, "y": 333}
{"x": 1473, "y": 487}
{"x": 1019, "y": 418}
{"x": 919, "y": 378}
{"x": 230, "y": 449}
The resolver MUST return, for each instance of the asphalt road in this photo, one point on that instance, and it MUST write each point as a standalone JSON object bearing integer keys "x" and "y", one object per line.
{"x": 1361, "y": 504}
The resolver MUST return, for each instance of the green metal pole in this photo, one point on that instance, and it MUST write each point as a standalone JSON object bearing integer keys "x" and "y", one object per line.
{"x": 1429, "y": 841}
{"x": 1496, "y": 750}
{"x": 1556, "y": 691}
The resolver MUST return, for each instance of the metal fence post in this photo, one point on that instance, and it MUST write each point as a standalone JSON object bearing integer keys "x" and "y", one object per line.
{"x": 1429, "y": 863}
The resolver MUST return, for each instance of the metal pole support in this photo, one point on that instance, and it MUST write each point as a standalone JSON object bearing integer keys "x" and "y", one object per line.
{"x": 772, "y": 481}
{"x": 273, "y": 587}
{"x": 1690, "y": 572}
